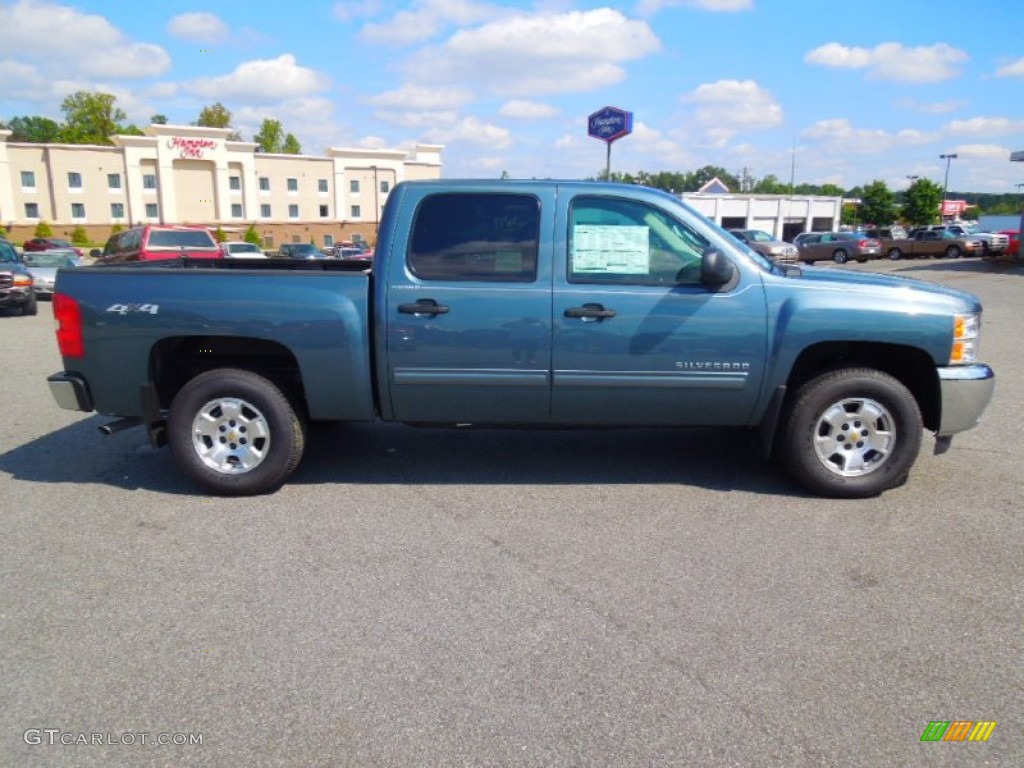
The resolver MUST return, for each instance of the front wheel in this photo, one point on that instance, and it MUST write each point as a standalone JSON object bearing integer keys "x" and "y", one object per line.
{"x": 953, "y": 252}
{"x": 234, "y": 433}
{"x": 30, "y": 307}
{"x": 840, "y": 257}
{"x": 851, "y": 433}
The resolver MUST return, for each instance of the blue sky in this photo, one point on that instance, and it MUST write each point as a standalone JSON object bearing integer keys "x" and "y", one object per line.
{"x": 854, "y": 91}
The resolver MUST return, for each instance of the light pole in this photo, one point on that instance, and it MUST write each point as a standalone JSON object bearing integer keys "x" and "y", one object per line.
{"x": 945, "y": 184}
{"x": 376, "y": 207}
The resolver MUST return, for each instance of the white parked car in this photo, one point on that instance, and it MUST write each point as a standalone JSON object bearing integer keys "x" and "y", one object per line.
{"x": 236, "y": 249}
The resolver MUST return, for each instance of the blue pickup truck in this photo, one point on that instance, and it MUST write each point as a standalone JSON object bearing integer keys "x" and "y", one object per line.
{"x": 526, "y": 303}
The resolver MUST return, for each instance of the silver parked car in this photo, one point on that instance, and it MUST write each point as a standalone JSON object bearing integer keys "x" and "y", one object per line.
{"x": 43, "y": 266}
{"x": 766, "y": 245}
{"x": 840, "y": 247}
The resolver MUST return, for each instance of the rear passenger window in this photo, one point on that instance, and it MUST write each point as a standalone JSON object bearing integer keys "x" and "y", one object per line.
{"x": 476, "y": 236}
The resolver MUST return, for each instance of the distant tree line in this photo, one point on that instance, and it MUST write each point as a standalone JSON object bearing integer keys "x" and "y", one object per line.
{"x": 918, "y": 204}
{"x": 94, "y": 118}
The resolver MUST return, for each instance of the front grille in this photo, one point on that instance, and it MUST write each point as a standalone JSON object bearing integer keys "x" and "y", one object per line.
{"x": 6, "y": 279}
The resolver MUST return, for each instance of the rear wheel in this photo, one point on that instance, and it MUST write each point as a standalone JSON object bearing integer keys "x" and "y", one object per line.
{"x": 234, "y": 433}
{"x": 851, "y": 433}
{"x": 953, "y": 252}
{"x": 840, "y": 257}
{"x": 895, "y": 254}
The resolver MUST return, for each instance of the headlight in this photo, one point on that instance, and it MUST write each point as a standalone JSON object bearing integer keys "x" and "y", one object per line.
{"x": 966, "y": 329}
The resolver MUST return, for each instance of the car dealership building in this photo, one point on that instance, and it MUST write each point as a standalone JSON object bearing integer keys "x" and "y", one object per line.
{"x": 178, "y": 174}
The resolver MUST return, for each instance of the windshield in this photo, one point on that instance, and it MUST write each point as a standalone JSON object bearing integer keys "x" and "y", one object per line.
{"x": 180, "y": 238}
{"x": 45, "y": 259}
{"x": 8, "y": 254}
{"x": 243, "y": 248}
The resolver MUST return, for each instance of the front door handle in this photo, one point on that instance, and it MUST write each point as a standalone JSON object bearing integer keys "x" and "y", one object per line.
{"x": 423, "y": 307}
{"x": 590, "y": 311}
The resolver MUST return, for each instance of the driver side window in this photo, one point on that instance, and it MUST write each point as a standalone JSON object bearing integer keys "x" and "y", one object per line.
{"x": 626, "y": 242}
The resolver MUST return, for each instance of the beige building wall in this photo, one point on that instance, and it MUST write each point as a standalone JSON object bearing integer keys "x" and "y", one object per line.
{"x": 196, "y": 175}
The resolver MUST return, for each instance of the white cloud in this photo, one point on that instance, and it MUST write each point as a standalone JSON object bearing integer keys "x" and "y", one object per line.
{"x": 346, "y": 12}
{"x": 419, "y": 98}
{"x": 569, "y": 52}
{"x": 1013, "y": 69}
{"x": 985, "y": 126}
{"x": 726, "y": 107}
{"x": 417, "y": 120}
{"x": 934, "y": 108}
{"x": 262, "y": 80}
{"x": 201, "y": 27}
{"x": 60, "y": 38}
{"x": 527, "y": 110}
{"x": 473, "y": 130}
{"x": 839, "y": 135}
{"x": 893, "y": 61}
{"x": 428, "y": 18}
{"x": 649, "y": 7}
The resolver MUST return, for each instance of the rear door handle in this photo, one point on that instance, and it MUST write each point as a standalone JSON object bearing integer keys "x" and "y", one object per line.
{"x": 423, "y": 307}
{"x": 590, "y": 311}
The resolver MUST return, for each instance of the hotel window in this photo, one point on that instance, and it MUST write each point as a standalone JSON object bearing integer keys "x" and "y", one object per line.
{"x": 328, "y": 241}
{"x": 31, "y": 210}
{"x": 152, "y": 211}
{"x": 353, "y": 186}
{"x": 74, "y": 180}
{"x": 265, "y": 211}
{"x": 293, "y": 185}
{"x": 235, "y": 183}
{"x": 385, "y": 187}
{"x": 324, "y": 212}
{"x": 28, "y": 180}
{"x": 117, "y": 210}
{"x": 78, "y": 210}
{"x": 149, "y": 181}
{"x": 113, "y": 181}
{"x": 293, "y": 211}
{"x": 236, "y": 210}
{"x": 264, "y": 183}
{"x": 356, "y": 213}
{"x": 321, "y": 186}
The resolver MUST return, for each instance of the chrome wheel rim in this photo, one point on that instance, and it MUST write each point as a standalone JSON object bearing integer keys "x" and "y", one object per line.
{"x": 854, "y": 437}
{"x": 230, "y": 435}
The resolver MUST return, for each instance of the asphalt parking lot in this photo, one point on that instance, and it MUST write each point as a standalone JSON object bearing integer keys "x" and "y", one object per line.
{"x": 498, "y": 598}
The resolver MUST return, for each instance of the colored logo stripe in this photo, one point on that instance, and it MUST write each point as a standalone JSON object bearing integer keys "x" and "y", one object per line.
{"x": 958, "y": 730}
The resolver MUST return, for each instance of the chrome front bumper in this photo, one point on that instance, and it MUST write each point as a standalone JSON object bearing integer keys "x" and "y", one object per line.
{"x": 965, "y": 391}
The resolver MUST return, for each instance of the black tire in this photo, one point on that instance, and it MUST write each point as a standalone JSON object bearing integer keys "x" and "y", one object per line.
{"x": 895, "y": 254}
{"x": 953, "y": 252}
{"x": 261, "y": 435}
{"x": 851, "y": 433}
{"x": 839, "y": 256}
{"x": 30, "y": 307}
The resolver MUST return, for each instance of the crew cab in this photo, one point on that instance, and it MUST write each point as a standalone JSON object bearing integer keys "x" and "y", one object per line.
{"x": 937, "y": 243}
{"x": 527, "y": 304}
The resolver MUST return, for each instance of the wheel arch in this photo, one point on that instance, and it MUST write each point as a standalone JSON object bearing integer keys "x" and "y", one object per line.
{"x": 913, "y": 367}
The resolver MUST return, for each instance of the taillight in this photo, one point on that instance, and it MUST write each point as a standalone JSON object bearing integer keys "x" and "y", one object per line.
{"x": 68, "y": 315}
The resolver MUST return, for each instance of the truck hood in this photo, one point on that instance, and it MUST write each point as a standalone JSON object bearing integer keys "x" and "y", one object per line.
{"x": 903, "y": 289}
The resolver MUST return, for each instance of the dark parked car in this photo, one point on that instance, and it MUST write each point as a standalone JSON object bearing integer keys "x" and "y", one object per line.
{"x": 50, "y": 244}
{"x": 299, "y": 251}
{"x": 840, "y": 247}
{"x": 15, "y": 282}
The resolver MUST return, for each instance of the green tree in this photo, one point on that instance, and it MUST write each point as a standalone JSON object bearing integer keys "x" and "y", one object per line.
{"x": 220, "y": 235}
{"x": 270, "y": 136}
{"x": 252, "y": 236}
{"x": 291, "y": 145}
{"x": 214, "y": 116}
{"x": 90, "y": 118}
{"x": 921, "y": 202}
{"x": 158, "y": 119}
{"x": 770, "y": 185}
{"x": 831, "y": 190}
{"x": 878, "y": 205}
{"x": 850, "y": 215}
{"x": 43, "y": 229}
{"x": 35, "y": 129}
{"x": 78, "y": 236}
{"x": 702, "y": 176}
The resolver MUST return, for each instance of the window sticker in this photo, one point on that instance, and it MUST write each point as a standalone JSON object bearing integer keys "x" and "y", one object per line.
{"x": 620, "y": 250}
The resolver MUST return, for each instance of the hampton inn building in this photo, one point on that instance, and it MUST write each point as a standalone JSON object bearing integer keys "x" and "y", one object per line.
{"x": 176, "y": 174}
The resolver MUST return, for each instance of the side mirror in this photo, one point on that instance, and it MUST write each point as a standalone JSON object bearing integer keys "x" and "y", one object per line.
{"x": 95, "y": 253}
{"x": 716, "y": 268}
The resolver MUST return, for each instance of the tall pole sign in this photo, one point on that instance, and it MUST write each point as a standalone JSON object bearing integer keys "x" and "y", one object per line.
{"x": 1018, "y": 157}
{"x": 608, "y": 125}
